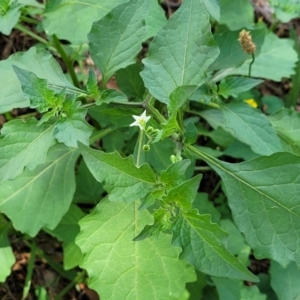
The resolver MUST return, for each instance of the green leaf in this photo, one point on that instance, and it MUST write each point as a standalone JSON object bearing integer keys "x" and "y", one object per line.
{"x": 92, "y": 85}
{"x": 74, "y": 128}
{"x": 110, "y": 95}
{"x": 184, "y": 194}
{"x": 130, "y": 81}
{"x": 206, "y": 207}
{"x": 179, "y": 55}
{"x": 88, "y": 189}
{"x": 155, "y": 19}
{"x": 119, "y": 176}
{"x": 235, "y": 290}
{"x": 110, "y": 114}
{"x": 35, "y": 90}
{"x": 262, "y": 195}
{"x": 213, "y": 8}
{"x": 7, "y": 258}
{"x": 285, "y": 281}
{"x": 201, "y": 243}
{"x": 39, "y": 198}
{"x": 251, "y": 127}
{"x": 116, "y": 39}
{"x": 270, "y": 63}
{"x": 287, "y": 125}
{"x": 285, "y": 10}
{"x": 18, "y": 146}
{"x": 175, "y": 174}
{"x": 9, "y": 16}
{"x": 231, "y": 52}
{"x": 66, "y": 232}
{"x": 38, "y": 61}
{"x": 233, "y": 86}
{"x": 80, "y": 14}
{"x": 272, "y": 104}
{"x": 238, "y": 149}
{"x": 237, "y": 14}
{"x": 120, "y": 268}
{"x": 195, "y": 289}
{"x": 159, "y": 155}
{"x": 190, "y": 134}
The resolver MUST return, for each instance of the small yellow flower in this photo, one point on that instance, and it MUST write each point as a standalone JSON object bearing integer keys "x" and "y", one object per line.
{"x": 251, "y": 102}
{"x": 141, "y": 120}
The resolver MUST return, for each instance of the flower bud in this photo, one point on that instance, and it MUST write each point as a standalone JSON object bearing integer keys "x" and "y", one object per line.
{"x": 146, "y": 148}
{"x": 246, "y": 42}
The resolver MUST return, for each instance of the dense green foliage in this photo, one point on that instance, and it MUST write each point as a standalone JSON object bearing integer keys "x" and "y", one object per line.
{"x": 116, "y": 175}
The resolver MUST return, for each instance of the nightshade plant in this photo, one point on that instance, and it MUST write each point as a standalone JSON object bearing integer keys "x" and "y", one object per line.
{"x": 178, "y": 112}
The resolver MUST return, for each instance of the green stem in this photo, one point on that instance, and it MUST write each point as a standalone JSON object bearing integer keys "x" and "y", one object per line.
{"x": 203, "y": 169}
{"x": 66, "y": 60}
{"x": 29, "y": 270}
{"x": 29, "y": 20}
{"x": 214, "y": 191}
{"x": 250, "y": 66}
{"x": 140, "y": 148}
{"x": 100, "y": 134}
{"x": 32, "y": 34}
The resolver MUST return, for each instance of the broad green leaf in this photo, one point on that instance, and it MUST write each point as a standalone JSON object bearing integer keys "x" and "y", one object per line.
{"x": 233, "y": 86}
{"x": 116, "y": 39}
{"x": 251, "y": 127}
{"x": 159, "y": 155}
{"x": 80, "y": 14}
{"x": 180, "y": 54}
{"x": 9, "y": 15}
{"x": 119, "y": 176}
{"x": 23, "y": 144}
{"x": 236, "y": 14}
{"x": 213, "y": 8}
{"x": 263, "y": 197}
{"x": 88, "y": 189}
{"x": 110, "y": 114}
{"x": 238, "y": 149}
{"x": 130, "y": 81}
{"x": 120, "y": 268}
{"x": 175, "y": 174}
{"x": 155, "y": 19}
{"x": 287, "y": 125}
{"x": 190, "y": 134}
{"x": 195, "y": 289}
{"x": 111, "y": 95}
{"x": 39, "y": 198}
{"x": 38, "y": 61}
{"x": 35, "y": 90}
{"x": 270, "y": 63}
{"x": 231, "y": 52}
{"x": 235, "y": 290}
{"x": 201, "y": 243}
{"x": 285, "y": 281}
{"x": 272, "y": 104}
{"x": 206, "y": 207}
{"x": 7, "y": 258}
{"x": 66, "y": 232}
{"x": 184, "y": 194}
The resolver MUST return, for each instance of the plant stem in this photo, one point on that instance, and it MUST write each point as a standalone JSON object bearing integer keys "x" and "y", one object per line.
{"x": 214, "y": 191}
{"x": 140, "y": 148}
{"x": 29, "y": 270}
{"x": 32, "y": 34}
{"x": 100, "y": 134}
{"x": 66, "y": 60}
{"x": 202, "y": 169}
{"x": 250, "y": 66}
{"x": 29, "y": 20}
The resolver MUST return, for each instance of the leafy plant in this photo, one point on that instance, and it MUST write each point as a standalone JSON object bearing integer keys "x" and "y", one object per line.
{"x": 117, "y": 174}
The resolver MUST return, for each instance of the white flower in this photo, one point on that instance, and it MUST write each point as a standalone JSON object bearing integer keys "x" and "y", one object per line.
{"x": 141, "y": 120}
